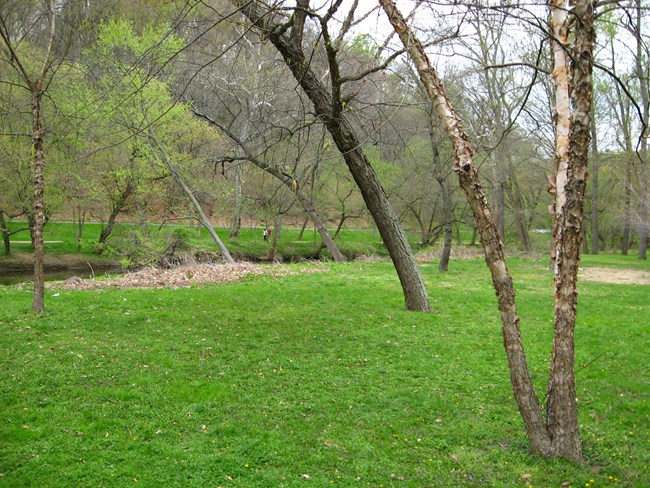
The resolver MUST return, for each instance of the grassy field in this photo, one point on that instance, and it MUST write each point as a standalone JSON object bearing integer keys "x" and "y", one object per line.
{"x": 314, "y": 379}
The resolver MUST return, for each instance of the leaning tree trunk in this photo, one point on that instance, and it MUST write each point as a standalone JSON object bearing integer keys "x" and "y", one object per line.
{"x": 522, "y": 386}
{"x": 190, "y": 195}
{"x": 329, "y": 107}
{"x": 117, "y": 208}
{"x": 202, "y": 217}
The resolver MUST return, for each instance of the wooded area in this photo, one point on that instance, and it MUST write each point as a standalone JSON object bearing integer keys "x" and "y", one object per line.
{"x": 291, "y": 113}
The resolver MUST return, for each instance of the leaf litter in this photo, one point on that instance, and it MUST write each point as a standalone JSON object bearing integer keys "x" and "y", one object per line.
{"x": 181, "y": 276}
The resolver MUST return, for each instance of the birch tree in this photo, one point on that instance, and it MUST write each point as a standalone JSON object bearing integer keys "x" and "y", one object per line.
{"x": 557, "y": 434}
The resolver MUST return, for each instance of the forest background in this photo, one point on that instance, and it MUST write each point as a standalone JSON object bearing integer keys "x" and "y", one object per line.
{"x": 138, "y": 96}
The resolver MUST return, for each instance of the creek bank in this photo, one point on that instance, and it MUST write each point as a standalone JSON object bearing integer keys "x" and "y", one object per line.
{"x": 24, "y": 263}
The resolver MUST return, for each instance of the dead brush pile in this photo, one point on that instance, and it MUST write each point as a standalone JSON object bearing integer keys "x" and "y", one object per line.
{"x": 178, "y": 277}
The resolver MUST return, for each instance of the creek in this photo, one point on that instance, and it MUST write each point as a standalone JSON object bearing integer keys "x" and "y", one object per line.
{"x": 15, "y": 277}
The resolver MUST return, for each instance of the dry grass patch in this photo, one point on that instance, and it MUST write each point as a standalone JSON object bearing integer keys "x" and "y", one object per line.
{"x": 616, "y": 275}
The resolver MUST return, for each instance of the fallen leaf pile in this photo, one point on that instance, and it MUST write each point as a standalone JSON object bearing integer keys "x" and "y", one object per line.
{"x": 180, "y": 277}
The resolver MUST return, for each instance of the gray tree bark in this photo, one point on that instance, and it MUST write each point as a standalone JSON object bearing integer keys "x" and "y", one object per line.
{"x": 190, "y": 195}
{"x": 595, "y": 155}
{"x": 643, "y": 74}
{"x": 329, "y": 107}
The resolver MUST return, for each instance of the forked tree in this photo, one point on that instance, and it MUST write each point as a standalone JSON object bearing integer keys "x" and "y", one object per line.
{"x": 287, "y": 34}
{"x": 557, "y": 434}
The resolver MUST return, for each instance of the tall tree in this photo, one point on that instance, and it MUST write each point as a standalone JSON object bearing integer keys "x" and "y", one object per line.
{"x": 36, "y": 79}
{"x": 330, "y": 105}
{"x": 642, "y": 72}
{"x": 557, "y": 435}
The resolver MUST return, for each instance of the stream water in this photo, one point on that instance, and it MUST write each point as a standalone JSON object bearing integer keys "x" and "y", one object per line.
{"x": 15, "y": 277}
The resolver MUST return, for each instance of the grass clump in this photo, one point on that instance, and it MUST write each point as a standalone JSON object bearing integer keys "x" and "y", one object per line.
{"x": 314, "y": 378}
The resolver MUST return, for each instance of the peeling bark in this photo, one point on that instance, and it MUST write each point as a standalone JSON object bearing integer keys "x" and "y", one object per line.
{"x": 38, "y": 303}
{"x": 561, "y": 110}
{"x": 562, "y": 409}
{"x": 490, "y": 239}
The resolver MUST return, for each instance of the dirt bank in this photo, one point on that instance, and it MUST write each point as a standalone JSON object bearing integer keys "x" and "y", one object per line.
{"x": 23, "y": 262}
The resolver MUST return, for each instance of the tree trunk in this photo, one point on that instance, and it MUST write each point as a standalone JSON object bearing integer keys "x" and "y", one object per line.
{"x": 38, "y": 304}
{"x": 474, "y": 232}
{"x": 201, "y": 215}
{"x": 329, "y": 108}
{"x": 445, "y": 190}
{"x": 492, "y": 244}
{"x": 518, "y": 209}
{"x": 117, "y": 208}
{"x": 595, "y": 243}
{"x": 627, "y": 206}
{"x": 498, "y": 194}
{"x": 644, "y": 226}
{"x": 5, "y": 234}
{"x": 561, "y": 407}
{"x": 424, "y": 234}
{"x": 315, "y": 218}
{"x": 235, "y": 226}
{"x": 644, "y": 173}
{"x": 302, "y": 228}
{"x": 190, "y": 195}
{"x": 561, "y": 111}
{"x": 277, "y": 227}
{"x": 82, "y": 221}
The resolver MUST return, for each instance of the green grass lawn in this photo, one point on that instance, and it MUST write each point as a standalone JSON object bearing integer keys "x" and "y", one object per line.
{"x": 313, "y": 379}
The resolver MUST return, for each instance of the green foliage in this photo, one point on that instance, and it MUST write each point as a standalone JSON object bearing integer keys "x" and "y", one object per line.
{"x": 365, "y": 45}
{"x": 318, "y": 378}
{"x": 120, "y": 46}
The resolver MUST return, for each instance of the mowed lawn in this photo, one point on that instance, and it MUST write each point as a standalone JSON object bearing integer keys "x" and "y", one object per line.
{"x": 314, "y": 379}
